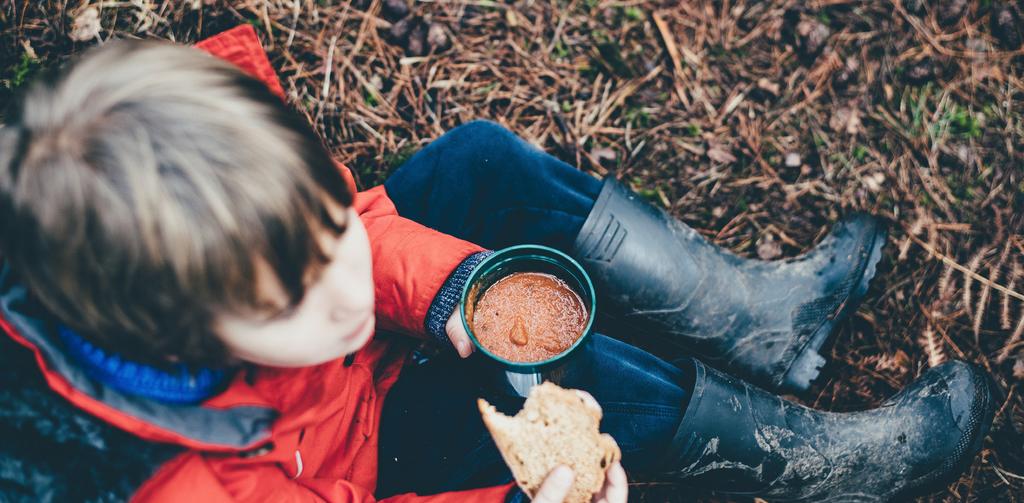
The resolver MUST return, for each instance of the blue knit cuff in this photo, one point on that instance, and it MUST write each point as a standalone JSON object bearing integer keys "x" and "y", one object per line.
{"x": 447, "y": 298}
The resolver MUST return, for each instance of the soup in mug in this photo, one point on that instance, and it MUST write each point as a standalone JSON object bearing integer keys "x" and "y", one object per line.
{"x": 529, "y": 317}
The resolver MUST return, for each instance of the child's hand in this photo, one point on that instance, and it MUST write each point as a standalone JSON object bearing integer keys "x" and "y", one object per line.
{"x": 457, "y": 334}
{"x": 616, "y": 487}
{"x": 556, "y": 486}
{"x": 559, "y": 481}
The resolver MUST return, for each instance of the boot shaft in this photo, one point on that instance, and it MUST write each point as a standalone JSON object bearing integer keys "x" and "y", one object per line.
{"x": 765, "y": 321}
{"x": 738, "y": 439}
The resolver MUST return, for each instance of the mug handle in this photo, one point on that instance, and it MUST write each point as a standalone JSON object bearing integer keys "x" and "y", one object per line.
{"x": 523, "y": 383}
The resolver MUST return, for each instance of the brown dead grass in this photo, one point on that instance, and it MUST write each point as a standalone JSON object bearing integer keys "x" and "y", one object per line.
{"x": 910, "y": 110}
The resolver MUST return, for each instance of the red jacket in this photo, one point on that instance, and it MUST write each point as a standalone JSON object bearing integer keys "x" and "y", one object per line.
{"x": 307, "y": 434}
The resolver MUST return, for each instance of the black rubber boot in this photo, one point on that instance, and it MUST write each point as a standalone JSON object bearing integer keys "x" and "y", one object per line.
{"x": 740, "y": 440}
{"x": 764, "y": 321}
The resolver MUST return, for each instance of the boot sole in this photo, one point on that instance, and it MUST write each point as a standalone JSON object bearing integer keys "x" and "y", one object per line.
{"x": 808, "y": 364}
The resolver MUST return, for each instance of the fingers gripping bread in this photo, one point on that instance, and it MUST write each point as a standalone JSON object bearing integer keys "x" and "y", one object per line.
{"x": 555, "y": 427}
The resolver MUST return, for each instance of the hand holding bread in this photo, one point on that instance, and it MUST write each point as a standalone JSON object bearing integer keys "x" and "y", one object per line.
{"x": 558, "y": 429}
{"x": 556, "y": 487}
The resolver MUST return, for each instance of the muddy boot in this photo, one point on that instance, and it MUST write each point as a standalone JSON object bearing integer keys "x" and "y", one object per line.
{"x": 740, "y": 440}
{"x": 764, "y": 321}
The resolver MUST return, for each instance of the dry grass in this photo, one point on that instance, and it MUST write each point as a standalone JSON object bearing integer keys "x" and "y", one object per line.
{"x": 750, "y": 121}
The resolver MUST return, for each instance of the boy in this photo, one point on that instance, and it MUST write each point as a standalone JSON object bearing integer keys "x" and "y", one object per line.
{"x": 184, "y": 262}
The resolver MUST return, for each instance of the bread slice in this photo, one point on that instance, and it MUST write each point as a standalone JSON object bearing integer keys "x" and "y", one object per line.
{"x": 556, "y": 427}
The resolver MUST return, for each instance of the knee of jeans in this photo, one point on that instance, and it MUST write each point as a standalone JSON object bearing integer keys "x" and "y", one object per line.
{"x": 484, "y": 145}
{"x": 481, "y": 130}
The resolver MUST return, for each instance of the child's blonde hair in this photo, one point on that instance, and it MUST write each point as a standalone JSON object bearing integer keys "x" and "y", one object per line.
{"x": 138, "y": 187}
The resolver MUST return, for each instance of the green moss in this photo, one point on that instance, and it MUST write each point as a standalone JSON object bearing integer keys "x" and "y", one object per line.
{"x": 370, "y": 99}
{"x": 965, "y": 123}
{"x": 648, "y": 194}
{"x": 561, "y": 51}
{"x": 860, "y": 152}
{"x": 991, "y": 110}
{"x": 644, "y": 192}
{"x": 396, "y": 159}
{"x": 925, "y": 200}
{"x": 638, "y": 116}
{"x": 486, "y": 89}
{"x": 21, "y": 72}
{"x": 741, "y": 204}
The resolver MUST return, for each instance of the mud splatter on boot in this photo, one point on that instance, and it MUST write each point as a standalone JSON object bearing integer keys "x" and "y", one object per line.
{"x": 738, "y": 439}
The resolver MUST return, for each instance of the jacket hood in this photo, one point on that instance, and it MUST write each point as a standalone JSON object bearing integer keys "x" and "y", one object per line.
{"x": 238, "y": 421}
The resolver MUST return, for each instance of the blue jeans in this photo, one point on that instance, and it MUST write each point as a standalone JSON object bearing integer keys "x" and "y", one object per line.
{"x": 481, "y": 183}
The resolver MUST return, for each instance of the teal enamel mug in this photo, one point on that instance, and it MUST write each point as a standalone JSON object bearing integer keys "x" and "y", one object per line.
{"x": 523, "y": 375}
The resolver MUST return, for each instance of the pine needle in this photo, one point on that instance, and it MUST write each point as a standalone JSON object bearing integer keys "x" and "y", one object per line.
{"x": 972, "y": 268}
{"x": 915, "y": 230}
{"x": 946, "y": 259}
{"x": 897, "y": 363}
{"x": 1004, "y": 316}
{"x": 1012, "y": 341}
{"x": 986, "y": 291}
{"x": 946, "y": 284}
{"x": 932, "y": 347}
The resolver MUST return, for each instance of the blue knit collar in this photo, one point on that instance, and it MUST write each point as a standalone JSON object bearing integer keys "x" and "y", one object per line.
{"x": 180, "y": 386}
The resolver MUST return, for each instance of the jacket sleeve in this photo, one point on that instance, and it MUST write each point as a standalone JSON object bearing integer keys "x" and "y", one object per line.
{"x": 410, "y": 262}
{"x": 191, "y": 475}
